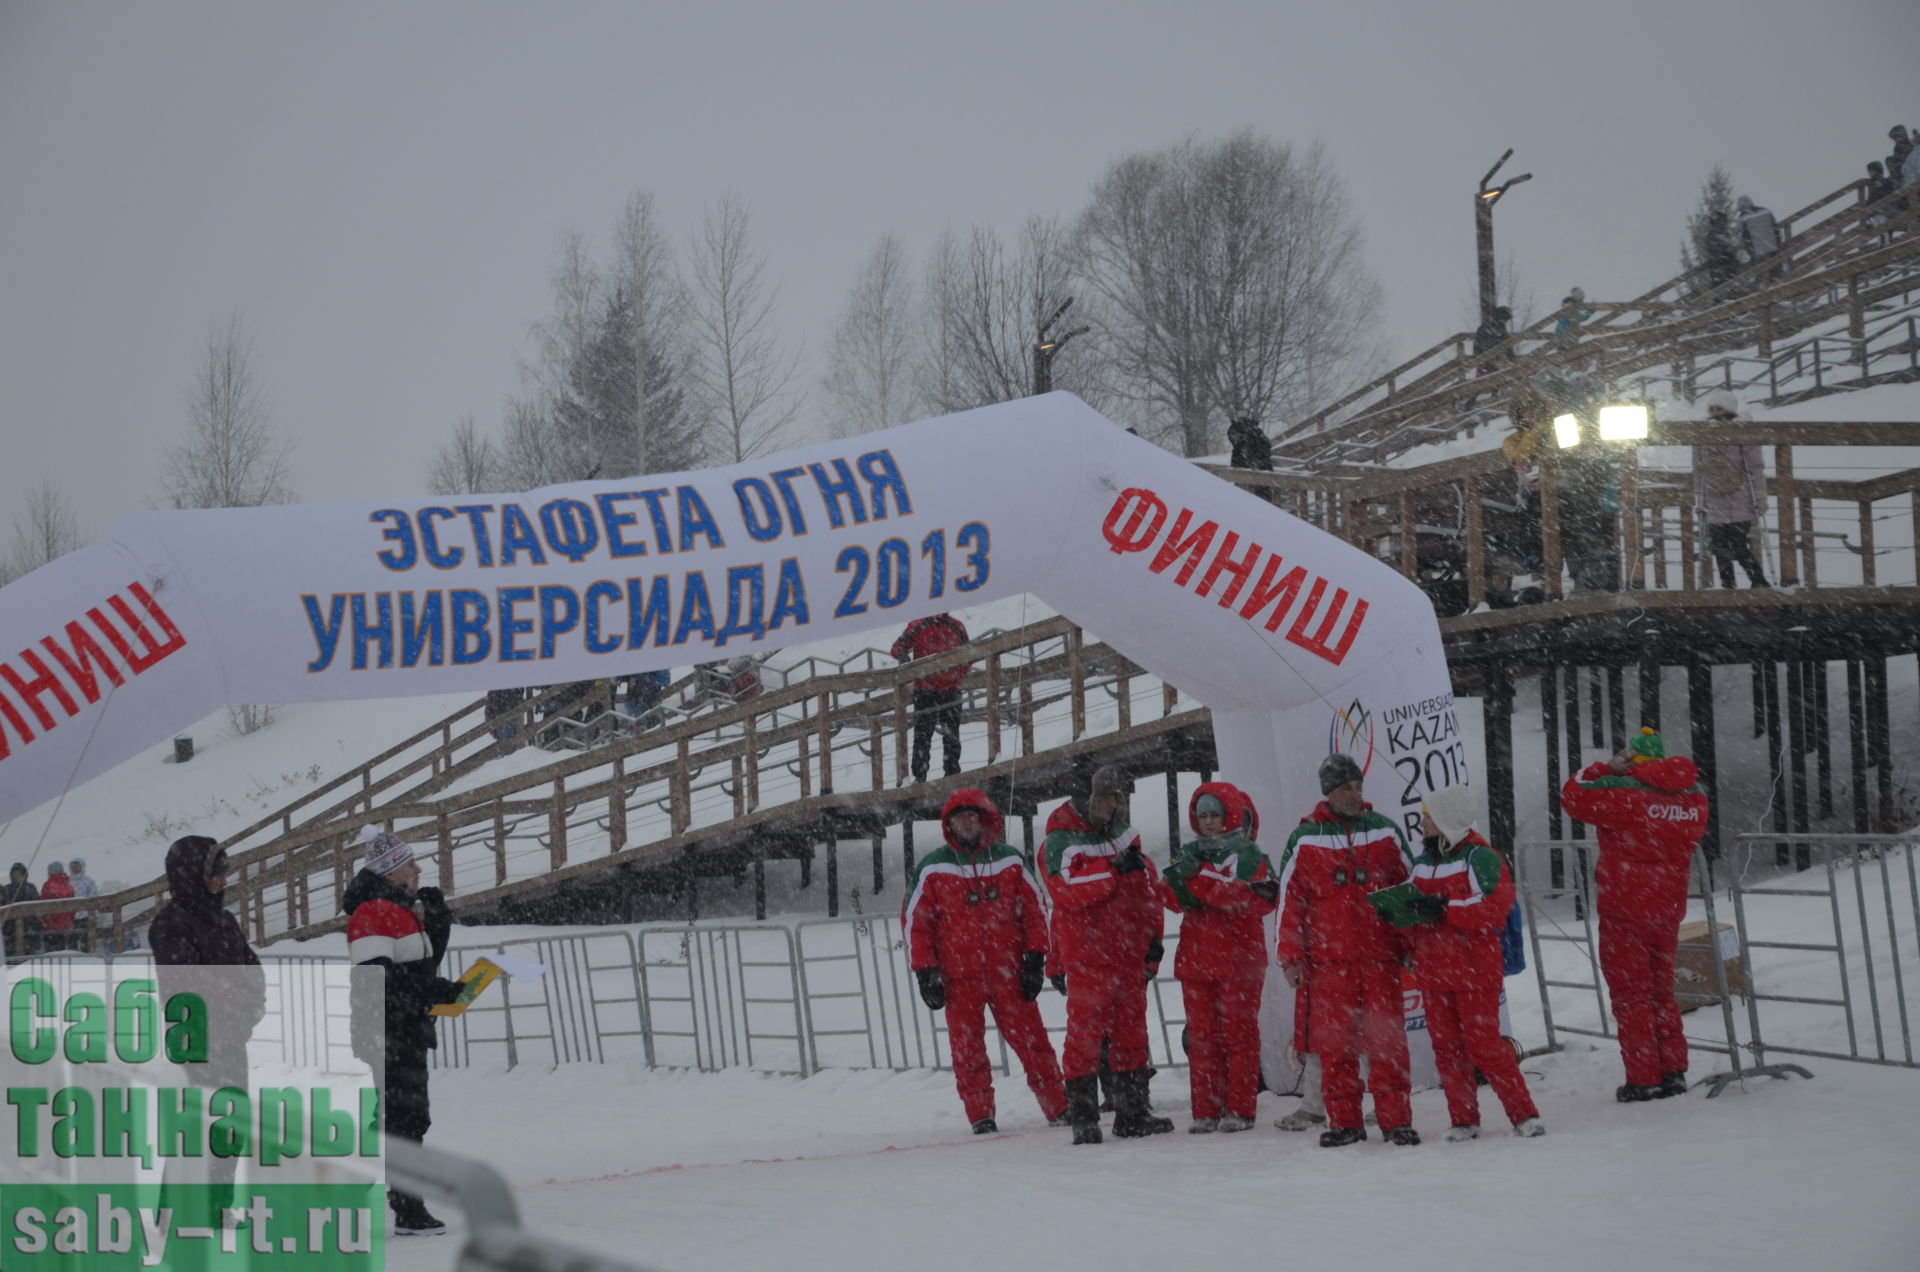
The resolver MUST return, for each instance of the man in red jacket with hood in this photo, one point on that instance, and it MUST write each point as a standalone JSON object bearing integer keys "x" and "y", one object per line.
{"x": 977, "y": 937}
{"x": 1106, "y": 926}
{"x": 936, "y": 697}
{"x": 1648, "y": 816}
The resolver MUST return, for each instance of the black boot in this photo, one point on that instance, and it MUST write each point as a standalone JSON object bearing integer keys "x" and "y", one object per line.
{"x": 1132, "y": 1118}
{"x": 1404, "y": 1136}
{"x": 1628, "y": 1093}
{"x": 986, "y": 1126}
{"x": 1340, "y": 1137}
{"x": 411, "y": 1217}
{"x": 1672, "y": 1084}
{"x": 1083, "y": 1109}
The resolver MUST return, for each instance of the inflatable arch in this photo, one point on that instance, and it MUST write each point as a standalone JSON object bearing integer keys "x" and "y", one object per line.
{"x": 1299, "y": 643}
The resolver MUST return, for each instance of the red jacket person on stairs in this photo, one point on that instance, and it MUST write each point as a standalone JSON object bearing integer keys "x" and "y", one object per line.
{"x": 977, "y": 938}
{"x": 1649, "y": 816}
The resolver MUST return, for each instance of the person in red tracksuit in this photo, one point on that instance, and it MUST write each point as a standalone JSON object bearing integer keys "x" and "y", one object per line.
{"x": 1649, "y": 817}
{"x": 1223, "y": 888}
{"x": 1343, "y": 958}
{"x": 1465, "y": 895}
{"x": 936, "y": 697}
{"x": 1107, "y": 922}
{"x": 977, "y": 938}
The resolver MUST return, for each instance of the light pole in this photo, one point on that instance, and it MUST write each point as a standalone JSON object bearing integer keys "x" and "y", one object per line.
{"x": 1483, "y": 202}
{"x": 1044, "y": 350}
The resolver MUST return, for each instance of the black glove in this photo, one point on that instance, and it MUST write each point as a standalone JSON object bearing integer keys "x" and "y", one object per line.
{"x": 1128, "y": 861}
{"x": 432, "y": 897}
{"x": 1267, "y": 890}
{"x": 1060, "y": 983}
{"x": 1033, "y": 974}
{"x": 447, "y": 991}
{"x": 933, "y": 987}
{"x": 1156, "y": 950}
{"x": 1429, "y": 909}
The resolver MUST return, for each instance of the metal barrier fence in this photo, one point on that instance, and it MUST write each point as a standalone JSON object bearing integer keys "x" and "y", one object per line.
{"x": 1818, "y": 980}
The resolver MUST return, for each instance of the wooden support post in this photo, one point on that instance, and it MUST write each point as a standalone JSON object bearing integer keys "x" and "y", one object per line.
{"x": 1868, "y": 571}
{"x": 557, "y": 824}
{"x": 1498, "y": 704}
{"x": 340, "y": 873}
{"x": 1812, "y": 562}
{"x": 876, "y": 739}
{"x": 499, "y": 840}
{"x": 805, "y": 766}
{"x": 993, "y": 707}
{"x": 824, "y": 708}
{"x": 1787, "y": 505}
{"x": 1123, "y": 702}
{"x": 444, "y": 834}
{"x": 1550, "y": 566}
{"x": 1856, "y": 746}
{"x": 900, "y": 733}
{"x": 1634, "y": 576}
{"x": 1856, "y": 311}
{"x": 1550, "y": 729}
{"x": 1650, "y": 695}
{"x": 1659, "y": 546}
{"x": 1077, "y": 680}
{"x": 739, "y": 787}
{"x": 1409, "y": 538}
{"x": 1476, "y": 548}
{"x": 1702, "y": 740}
{"x": 750, "y": 739}
{"x": 1766, "y": 331}
{"x": 617, "y": 807}
{"x": 1690, "y": 566}
{"x": 680, "y": 797}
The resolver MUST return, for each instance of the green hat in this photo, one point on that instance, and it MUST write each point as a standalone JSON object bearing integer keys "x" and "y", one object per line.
{"x": 1647, "y": 746}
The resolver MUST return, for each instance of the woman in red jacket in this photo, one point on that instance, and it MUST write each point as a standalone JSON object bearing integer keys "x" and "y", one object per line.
{"x": 1466, "y": 893}
{"x": 1223, "y": 888}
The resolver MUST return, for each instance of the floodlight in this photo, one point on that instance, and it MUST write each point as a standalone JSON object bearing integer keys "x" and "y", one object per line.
{"x": 1623, "y": 423}
{"x": 1566, "y": 431}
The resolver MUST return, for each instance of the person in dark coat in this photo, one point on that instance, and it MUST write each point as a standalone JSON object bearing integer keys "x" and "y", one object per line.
{"x": 195, "y": 929}
{"x": 395, "y": 924}
{"x": 23, "y": 935}
{"x": 1252, "y": 449}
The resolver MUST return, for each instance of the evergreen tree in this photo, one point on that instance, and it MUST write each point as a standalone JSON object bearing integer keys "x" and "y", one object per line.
{"x": 1712, "y": 242}
{"x": 614, "y": 422}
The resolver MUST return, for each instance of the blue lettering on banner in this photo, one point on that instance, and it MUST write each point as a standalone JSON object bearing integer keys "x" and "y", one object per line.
{"x": 784, "y": 479}
{"x": 420, "y": 628}
{"x": 696, "y": 519}
{"x": 326, "y": 627}
{"x": 570, "y": 528}
{"x": 377, "y": 632}
{"x": 598, "y": 594}
{"x": 559, "y": 614}
{"x": 696, "y": 609}
{"x": 399, "y": 532}
{"x": 430, "y": 539}
{"x": 472, "y": 642}
{"x": 517, "y": 536}
{"x": 789, "y": 596}
{"x": 662, "y": 536}
{"x": 617, "y": 522}
{"x": 654, "y": 609}
{"x": 482, "y": 538}
{"x": 510, "y": 626}
{"x": 841, "y": 486}
{"x": 882, "y": 475}
{"x": 746, "y": 591}
{"x": 757, "y": 509}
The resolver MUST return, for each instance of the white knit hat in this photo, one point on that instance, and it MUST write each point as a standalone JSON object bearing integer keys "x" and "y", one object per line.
{"x": 1724, "y": 399}
{"x": 1453, "y": 809}
{"x": 387, "y": 852}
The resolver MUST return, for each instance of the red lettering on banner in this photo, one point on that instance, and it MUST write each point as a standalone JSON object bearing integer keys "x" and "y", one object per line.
{"x": 1133, "y": 524}
{"x": 149, "y": 636}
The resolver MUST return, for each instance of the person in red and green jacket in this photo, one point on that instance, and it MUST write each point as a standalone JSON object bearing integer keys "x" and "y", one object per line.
{"x": 1343, "y": 959}
{"x": 977, "y": 938}
{"x": 1223, "y": 888}
{"x": 936, "y": 697}
{"x": 1648, "y": 815}
{"x": 1106, "y": 929}
{"x": 1465, "y": 895}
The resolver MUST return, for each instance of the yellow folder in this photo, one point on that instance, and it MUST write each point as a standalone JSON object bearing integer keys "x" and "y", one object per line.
{"x": 482, "y": 973}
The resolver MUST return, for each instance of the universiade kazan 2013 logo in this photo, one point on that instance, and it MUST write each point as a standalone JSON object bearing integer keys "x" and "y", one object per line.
{"x": 1350, "y": 729}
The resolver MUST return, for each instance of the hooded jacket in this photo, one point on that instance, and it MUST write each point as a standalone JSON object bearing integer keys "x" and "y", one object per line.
{"x": 926, "y": 637}
{"x": 194, "y": 928}
{"x": 1330, "y": 864}
{"x": 383, "y": 930}
{"x": 1647, "y": 824}
{"x": 973, "y": 911}
{"x": 1461, "y": 950}
{"x": 1223, "y": 922}
{"x": 1103, "y": 922}
{"x": 57, "y": 887}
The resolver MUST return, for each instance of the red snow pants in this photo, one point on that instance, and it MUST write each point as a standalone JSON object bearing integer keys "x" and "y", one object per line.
{"x": 1465, "y": 1028}
{"x": 1637, "y": 960}
{"x": 1356, "y": 1008}
{"x": 1111, "y": 1006}
{"x": 1019, "y": 1023}
{"x": 1223, "y": 1045}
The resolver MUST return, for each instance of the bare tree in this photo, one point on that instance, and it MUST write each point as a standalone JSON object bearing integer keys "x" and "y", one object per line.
{"x": 982, "y": 311}
{"x": 870, "y": 358}
{"x": 45, "y": 531}
{"x": 747, "y": 382}
{"x": 1231, "y": 278}
{"x": 468, "y": 463}
{"x": 229, "y": 457}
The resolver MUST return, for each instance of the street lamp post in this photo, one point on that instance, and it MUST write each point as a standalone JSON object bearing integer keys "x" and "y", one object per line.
{"x": 1483, "y": 202}
{"x": 1045, "y": 350}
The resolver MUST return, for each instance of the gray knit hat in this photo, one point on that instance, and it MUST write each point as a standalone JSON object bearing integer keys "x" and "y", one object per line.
{"x": 1337, "y": 770}
{"x": 387, "y": 852}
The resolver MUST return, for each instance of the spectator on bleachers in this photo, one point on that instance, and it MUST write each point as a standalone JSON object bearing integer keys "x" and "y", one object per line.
{"x": 1902, "y": 151}
{"x": 23, "y": 934}
{"x": 499, "y": 702}
{"x": 1879, "y": 184}
{"x": 1251, "y": 449}
{"x": 56, "y": 930}
{"x": 936, "y": 697}
{"x": 1567, "y": 329}
{"x": 85, "y": 887}
{"x": 644, "y": 691}
{"x": 1730, "y": 482}
{"x": 1759, "y": 234}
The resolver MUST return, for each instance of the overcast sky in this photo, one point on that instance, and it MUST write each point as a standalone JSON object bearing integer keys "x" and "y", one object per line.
{"x": 378, "y": 188}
